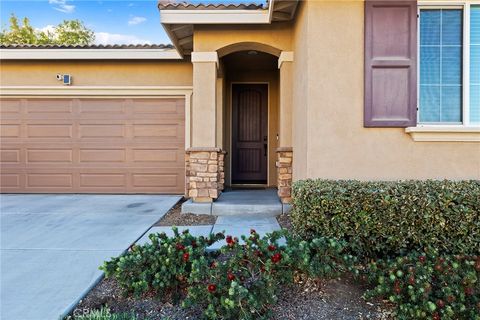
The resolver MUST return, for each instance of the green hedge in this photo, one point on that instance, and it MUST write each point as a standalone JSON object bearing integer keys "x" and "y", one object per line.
{"x": 389, "y": 218}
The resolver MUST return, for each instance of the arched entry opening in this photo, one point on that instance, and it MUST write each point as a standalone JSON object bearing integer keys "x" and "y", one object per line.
{"x": 250, "y": 81}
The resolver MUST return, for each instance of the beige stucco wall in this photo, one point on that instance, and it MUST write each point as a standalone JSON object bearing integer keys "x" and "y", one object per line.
{"x": 329, "y": 138}
{"x": 213, "y": 37}
{"x": 300, "y": 90}
{"x": 97, "y": 73}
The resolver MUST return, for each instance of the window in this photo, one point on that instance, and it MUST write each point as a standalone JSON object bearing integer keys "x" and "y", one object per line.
{"x": 475, "y": 64}
{"x": 449, "y": 65}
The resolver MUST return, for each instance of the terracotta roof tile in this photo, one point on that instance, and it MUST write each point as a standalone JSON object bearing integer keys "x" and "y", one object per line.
{"x": 92, "y": 46}
{"x": 167, "y": 5}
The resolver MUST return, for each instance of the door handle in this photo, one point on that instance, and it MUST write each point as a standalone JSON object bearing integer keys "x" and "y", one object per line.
{"x": 264, "y": 149}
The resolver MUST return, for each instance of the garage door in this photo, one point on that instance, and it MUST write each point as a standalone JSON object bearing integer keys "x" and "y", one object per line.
{"x": 80, "y": 145}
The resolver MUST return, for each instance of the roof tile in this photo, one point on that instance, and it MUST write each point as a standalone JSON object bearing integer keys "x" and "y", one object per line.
{"x": 90, "y": 46}
{"x": 168, "y": 5}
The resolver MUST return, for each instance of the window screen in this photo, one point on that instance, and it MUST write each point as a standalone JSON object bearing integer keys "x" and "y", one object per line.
{"x": 441, "y": 65}
{"x": 475, "y": 64}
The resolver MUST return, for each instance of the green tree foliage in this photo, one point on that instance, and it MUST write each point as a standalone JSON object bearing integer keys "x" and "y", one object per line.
{"x": 69, "y": 32}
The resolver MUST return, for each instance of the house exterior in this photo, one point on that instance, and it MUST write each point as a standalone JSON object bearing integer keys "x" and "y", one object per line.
{"x": 250, "y": 95}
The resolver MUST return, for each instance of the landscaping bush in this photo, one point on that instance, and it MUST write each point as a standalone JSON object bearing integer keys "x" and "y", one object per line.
{"x": 427, "y": 285}
{"x": 240, "y": 281}
{"x": 378, "y": 219}
{"x": 160, "y": 266}
{"x": 243, "y": 282}
{"x": 322, "y": 258}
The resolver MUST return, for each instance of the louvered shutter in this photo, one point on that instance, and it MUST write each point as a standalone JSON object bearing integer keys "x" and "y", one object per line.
{"x": 390, "y": 63}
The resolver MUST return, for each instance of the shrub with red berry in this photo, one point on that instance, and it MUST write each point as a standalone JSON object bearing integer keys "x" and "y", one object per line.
{"x": 243, "y": 283}
{"x": 162, "y": 265}
{"x": 428, "y": 285}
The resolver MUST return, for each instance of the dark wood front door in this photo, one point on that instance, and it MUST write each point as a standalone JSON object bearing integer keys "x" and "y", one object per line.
{"x": 249, "y": 133}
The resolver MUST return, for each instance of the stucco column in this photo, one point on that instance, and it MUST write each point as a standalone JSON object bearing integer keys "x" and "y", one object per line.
{"x": 204, "y": 110}
{"x": 204, "y": 161}
{"x": 285, "y": 62}
{"x": 285, "y": 151}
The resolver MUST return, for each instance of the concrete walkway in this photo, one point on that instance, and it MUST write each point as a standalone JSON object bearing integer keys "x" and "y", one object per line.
{"x": 52, "y": 246}
{"x": 259, "y": 202}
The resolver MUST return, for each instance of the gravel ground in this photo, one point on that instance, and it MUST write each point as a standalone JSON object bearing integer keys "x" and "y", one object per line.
{"x": 108, "y": 293}
{"x": 285, "y": 221}
{"x": 335, "y": 299}
{"x": 174, "y": 217}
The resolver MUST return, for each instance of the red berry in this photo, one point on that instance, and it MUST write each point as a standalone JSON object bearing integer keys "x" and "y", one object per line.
{"x": 271, "y": 248}
{"x": 230, "y": 277}
{"x": 229, "y": 239}
{"x": 194, "y": 244}
{"x": 213, "y": 265}
{"x": 436, "y": 316}
{"x": 422, "y": 259}
{"x": 258, "y": 253}
{"x": 186, "y": 256}
{"x": 440, "y": 303}
{"x": 180, "y": 247}
{"x": 468, "y": 291}
{"x": 397, "y": 287}
{"x": 276, "y": 257}
{"x": 411, "y": 280}
{"x": 450, "y": 298}
{"x": 438, "y": 267}
{"x": 212, "y": 288}
{"x": 477, "y": 265}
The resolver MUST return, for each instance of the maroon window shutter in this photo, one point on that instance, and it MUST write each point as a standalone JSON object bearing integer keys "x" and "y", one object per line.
{"x": 390, "y": 63}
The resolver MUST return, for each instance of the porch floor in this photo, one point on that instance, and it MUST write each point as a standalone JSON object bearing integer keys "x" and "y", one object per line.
{"x": 261, "y": 203}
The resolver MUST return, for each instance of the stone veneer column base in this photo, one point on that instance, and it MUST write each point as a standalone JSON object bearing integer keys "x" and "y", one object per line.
{"x": 205, "y": 177}
{"x": 284, "y": 173}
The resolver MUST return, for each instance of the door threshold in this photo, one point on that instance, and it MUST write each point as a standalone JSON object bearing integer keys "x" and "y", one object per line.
{"x": 248, "y": 186}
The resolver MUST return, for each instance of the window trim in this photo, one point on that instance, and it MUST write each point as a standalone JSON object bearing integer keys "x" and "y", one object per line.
{"x": 465, "y": 131}
{"x": 449, "y": 6}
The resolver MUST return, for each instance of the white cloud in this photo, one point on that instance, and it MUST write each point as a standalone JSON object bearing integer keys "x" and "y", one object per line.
{"x": 115, "y": 38}
{"x": 62, "y": 6}
{"x": 48, "y": 28}
{"x": 136, "y": 20}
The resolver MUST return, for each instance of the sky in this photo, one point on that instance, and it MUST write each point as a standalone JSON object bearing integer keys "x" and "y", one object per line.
{"x": 113, "y": 21}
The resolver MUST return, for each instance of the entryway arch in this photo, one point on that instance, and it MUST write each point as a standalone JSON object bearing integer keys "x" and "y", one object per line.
{"x": 247, "y": 46}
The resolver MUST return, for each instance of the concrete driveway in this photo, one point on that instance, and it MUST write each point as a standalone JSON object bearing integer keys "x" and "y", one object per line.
{"x": 52, "y": 246}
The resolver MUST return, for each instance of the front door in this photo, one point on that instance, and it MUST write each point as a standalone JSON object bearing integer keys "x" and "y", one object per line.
{"x": 249, "y": 133}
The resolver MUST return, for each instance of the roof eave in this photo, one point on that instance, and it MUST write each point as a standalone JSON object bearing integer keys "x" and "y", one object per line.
{"x": 89, "y": 54}
{"x": 215, "y": 16}
{"x": 191, "y": 17}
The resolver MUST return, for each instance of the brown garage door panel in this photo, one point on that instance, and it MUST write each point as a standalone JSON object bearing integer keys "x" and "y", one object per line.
{"x": 92, "y": 145}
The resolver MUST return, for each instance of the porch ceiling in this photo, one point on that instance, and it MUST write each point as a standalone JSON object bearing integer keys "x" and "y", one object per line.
{"x": 178, "y": 19}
